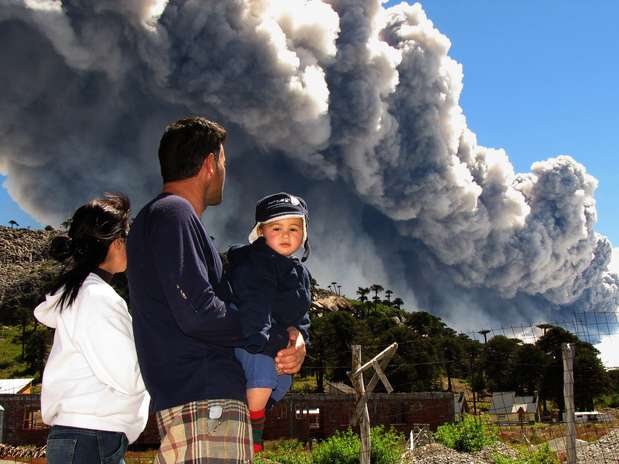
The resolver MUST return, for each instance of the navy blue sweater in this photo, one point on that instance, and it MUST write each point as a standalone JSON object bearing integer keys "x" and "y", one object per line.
{"x": 184, "y": 329}
{"x": 272, "y": 293}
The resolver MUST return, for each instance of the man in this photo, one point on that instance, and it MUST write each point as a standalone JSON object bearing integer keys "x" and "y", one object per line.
{"x": 184, "y": 327}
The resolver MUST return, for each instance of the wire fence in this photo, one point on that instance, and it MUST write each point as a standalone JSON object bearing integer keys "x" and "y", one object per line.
{"x": 572, "y": 410}
{"x": 561, "y": 408}
{"x": 563, "y": 411}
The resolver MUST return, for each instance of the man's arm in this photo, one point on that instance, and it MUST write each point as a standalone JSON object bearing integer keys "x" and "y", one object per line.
{"x": 183, "y": 275}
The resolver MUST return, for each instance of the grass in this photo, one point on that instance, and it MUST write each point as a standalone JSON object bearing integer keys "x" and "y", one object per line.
{"x": 10, "y": 352}
{"x": 305, "y": 384}
{"x": 543, "y": 432}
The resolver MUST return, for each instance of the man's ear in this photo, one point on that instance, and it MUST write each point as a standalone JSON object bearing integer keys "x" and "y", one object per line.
{"x": 209, "y": 164}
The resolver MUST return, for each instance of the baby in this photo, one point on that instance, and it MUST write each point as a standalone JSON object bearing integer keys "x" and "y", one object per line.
{"x": 272, "y": 290}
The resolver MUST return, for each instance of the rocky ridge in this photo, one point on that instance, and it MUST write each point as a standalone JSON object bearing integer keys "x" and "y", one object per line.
{"x": 606, "y": 449}
{"x": 21, "y": 251}
{"x": 435, "y": 453}
{"x": 328, "y": 302}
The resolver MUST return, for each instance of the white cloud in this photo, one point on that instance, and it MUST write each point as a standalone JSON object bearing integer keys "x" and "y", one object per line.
{"x": 609, "y": 346}
{"x": 614, "y": 261}
{"x": 609, "y": 349}
{"x": 361, "y": 100}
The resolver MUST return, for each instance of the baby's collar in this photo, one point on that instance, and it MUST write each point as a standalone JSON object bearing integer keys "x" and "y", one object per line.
{"x": 261, "y": 244}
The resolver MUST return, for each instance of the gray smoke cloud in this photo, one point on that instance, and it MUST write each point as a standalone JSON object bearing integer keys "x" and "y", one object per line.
{"x": 350, "y": 104}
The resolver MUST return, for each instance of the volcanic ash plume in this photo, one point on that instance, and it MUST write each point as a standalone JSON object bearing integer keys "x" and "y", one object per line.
{"x": 348, "y": 103}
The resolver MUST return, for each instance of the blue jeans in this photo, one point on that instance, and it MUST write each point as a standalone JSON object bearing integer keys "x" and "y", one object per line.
{"x": 260, "y": 373}
{"x": 74, "y": 445}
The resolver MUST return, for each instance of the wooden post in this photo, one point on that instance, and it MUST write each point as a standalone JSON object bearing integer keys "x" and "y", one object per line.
{"x": 364, "y": 427}
{"x": 291, "y": 417}
{"x": 378, "y": 363}
{"x": 386, "y": 356}
{"x": 568, "y": 395}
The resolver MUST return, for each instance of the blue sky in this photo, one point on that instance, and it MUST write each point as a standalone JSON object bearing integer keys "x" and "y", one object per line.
{"x": 9, "y": 210}
{"x": 540, "y": 79}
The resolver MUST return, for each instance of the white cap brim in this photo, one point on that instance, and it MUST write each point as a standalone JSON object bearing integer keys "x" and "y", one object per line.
{"x": 253, "y": 235}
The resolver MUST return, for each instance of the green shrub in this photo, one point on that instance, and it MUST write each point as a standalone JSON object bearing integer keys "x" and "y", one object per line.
{"x": 542, "y": 455}
{"x": 285, "y": 452}
{"x": 468, "y": 435}
{"x": 387, "y": 446}
{"x": 344, "y": 448}
{"x": 340, "y": 448}
{"x": 288, "y": 446}
{"x": 608, "y": 401}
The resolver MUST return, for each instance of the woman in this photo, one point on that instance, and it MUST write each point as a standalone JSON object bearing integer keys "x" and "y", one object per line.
{"x": 93, "y": 395}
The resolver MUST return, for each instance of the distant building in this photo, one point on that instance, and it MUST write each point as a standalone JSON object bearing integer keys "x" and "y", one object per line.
{"x": 1, "y": 424}
{"x": 507, "y": 408}
{"x": 590, "y": 416}
{"x": 300, "y": 416}
{"x": 13, "y": 394}
{"x": 22, "y": 423}
{"x": 316, "y": 415}
{"x": 15, "y": 386}
{"x": 460, "y": 406}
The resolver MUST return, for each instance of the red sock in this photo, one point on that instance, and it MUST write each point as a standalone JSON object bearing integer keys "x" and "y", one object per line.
{"x": 257, "y": 427}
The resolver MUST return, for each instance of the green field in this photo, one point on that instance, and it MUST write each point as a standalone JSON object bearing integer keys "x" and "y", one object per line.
{"x": 10, "y": 352}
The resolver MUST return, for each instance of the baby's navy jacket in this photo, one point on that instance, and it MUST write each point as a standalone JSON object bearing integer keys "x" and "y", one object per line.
{"x": 272, "y": 293}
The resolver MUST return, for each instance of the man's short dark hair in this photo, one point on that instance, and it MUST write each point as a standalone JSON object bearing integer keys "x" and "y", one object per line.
{"x": 185, "y": 144}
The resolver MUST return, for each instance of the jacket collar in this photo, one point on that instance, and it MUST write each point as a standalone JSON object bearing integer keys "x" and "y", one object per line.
{"x": 260, "y": 244}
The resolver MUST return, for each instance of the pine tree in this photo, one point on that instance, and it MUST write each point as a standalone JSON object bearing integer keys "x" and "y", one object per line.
{"x": 363, "y": 294}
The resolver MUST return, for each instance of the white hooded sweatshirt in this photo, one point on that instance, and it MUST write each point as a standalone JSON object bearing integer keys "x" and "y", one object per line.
{"x": 92, "y": 378}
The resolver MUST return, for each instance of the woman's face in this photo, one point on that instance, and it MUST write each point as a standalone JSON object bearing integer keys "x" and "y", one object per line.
{"x": 122, "y": 258}
{"x": 116, "y": 260}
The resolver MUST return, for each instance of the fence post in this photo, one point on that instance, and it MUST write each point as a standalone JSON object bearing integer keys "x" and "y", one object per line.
{"x": 378, "y": 363}
{"x": 359, "y": 385}
{"x": 568, "y": 350}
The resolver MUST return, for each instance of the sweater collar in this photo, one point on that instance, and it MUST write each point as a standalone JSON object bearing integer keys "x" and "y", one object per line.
{"x": 106, "y": 276}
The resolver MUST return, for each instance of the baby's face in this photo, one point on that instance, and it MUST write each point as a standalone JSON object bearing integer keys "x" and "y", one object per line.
{"x": 284, "y": 236}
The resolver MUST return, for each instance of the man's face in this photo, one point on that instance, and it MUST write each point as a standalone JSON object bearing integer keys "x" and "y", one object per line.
{"x": 215, "y": 187}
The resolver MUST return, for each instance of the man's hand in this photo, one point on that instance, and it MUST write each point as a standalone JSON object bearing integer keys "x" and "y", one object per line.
{"x": 290, "y": 359}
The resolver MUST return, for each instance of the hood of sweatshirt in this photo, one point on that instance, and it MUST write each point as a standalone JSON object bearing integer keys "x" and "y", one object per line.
{"x": 47, "y": 312}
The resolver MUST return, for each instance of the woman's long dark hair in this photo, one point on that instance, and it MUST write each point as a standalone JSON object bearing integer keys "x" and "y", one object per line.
{"x": 94, "y": 227}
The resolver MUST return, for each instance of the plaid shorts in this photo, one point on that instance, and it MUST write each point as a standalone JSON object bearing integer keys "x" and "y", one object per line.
{"x": 205, "y": 432}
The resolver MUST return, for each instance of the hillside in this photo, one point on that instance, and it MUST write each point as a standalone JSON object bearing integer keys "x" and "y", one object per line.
{"x": 23, "y": 256}
{"x": 22, "y": 251}
{"x": 429, "y": 354}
